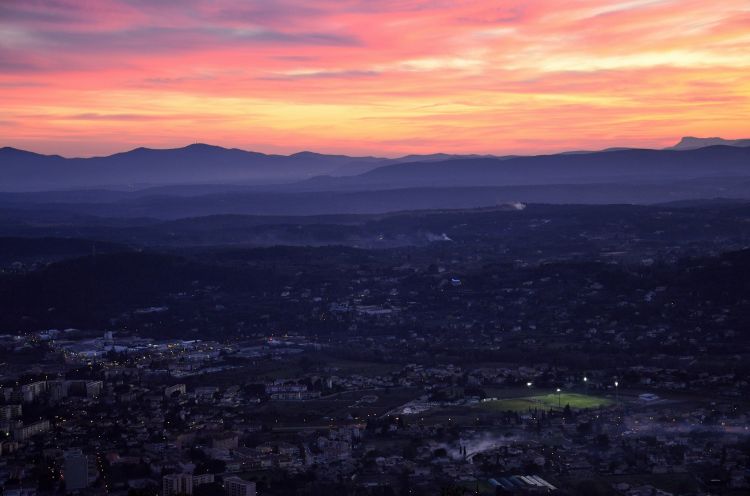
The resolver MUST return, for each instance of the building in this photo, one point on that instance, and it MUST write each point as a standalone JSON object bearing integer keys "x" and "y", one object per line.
{"x": 94, "y": 389}
{"x": 9, "y": 412}
{"x": 8, "y": 447}
{"x": 177, "y": 484}
{"x": 77, "y": 471}
{"x": 19, "y": 491}
{"x": 57, "y": 389}
{"x": 281, "y": 391}
{"x": 521, "y": 484}
{"x": 171, "y": 390}
{"x": 648, "y": 397}
{"x": 31, "y": 392}
{"x": 24, "y": 432}
{"x": 89, "y": 389}
{"x": 228, "y": 440}
{"x": 183, "y": 483}
{"x": 234, "y": 486}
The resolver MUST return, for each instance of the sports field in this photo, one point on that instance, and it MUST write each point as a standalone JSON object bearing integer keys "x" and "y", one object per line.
{"x": 546, "y": 402}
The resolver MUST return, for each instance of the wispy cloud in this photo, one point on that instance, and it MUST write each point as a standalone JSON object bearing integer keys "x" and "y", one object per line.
{"x": 361, "y": 76}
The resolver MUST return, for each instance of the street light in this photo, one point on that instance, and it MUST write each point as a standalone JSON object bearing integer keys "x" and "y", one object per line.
{"x": 617, "y": 392}
{"x": 558, "y": 398}
{"x": 535, "y": 399}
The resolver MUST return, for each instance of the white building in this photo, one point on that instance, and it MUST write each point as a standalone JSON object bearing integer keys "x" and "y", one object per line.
{"x": 9, "y": 412}
{"x": 234, "y": 486}
{"x": 24, "y": 432}
{"x": 183, "y": 483}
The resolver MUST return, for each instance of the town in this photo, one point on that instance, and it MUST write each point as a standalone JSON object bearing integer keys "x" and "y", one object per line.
{"x": 408, "y": 392}
{"x": 521, "y": 349}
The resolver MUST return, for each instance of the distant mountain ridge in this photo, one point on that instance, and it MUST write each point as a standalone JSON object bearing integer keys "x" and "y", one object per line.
{"x": 692, "y": 143}
{"x": 193, "y": 164}
{"x": 624, "y": 166}
{"x": 202, "y": 164}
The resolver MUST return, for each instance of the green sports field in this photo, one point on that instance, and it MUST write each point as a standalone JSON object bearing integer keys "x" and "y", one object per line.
{"x": 546, "y": 402}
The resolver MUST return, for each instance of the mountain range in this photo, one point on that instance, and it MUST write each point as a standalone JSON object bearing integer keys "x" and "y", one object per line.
{"x": 691, "y": 143}
{"x": 201, "y": 164}
{"x": 200, "y": 180}
{"x": 616, "y": 166}
{"x": 194, "y": 164}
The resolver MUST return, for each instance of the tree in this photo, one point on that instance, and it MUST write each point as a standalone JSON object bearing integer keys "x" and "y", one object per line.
{"x": 210, "y": 467}
{"x": 584, "y": 428}
{"x": 410, "y": 451}
{"x": 452, "y": 491}
{"x": 209, "y": 489}
{"x": 602, "y": 441}
{"x": 145, "y": 491}
{"x": 592, "y": 488}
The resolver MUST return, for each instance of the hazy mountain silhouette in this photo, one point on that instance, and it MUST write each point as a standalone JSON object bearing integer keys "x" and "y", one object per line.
{"x": 190, "y": 165}
{"x": 193, "y": 164}
{"x": 203, "y": 169}
{"x": 617, "y": 166}
{"x": 691, "y": 143}
{"x": 41, "y": 209}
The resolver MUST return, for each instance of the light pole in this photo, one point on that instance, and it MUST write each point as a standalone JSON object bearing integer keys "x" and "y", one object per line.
{"x": 617, "y": 392}
{"x": 558, "y": 398}
{"x": 586, "y": 383}
{"x": 534, "y": 399}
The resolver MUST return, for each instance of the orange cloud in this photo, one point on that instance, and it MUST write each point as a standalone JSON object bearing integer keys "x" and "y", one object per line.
{"x": 387, "y": 77}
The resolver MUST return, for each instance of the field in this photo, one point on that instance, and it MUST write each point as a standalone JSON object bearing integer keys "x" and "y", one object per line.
{"x": 546, "y": 402}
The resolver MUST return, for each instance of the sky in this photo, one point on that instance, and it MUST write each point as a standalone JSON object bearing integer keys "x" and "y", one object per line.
{"x": 371, "y": 77}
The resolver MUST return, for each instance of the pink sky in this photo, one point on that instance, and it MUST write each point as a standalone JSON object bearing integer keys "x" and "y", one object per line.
{"x": 378, "y": 77}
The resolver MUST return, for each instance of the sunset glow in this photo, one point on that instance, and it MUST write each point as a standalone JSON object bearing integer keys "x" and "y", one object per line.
{"x": 371, "y": 77}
